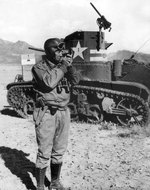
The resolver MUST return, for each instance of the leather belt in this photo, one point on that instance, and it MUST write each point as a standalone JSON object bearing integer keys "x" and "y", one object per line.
{"x": 41, "y": 103}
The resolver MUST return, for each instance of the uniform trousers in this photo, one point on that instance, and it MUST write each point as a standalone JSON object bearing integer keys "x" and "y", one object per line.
{"x": 52, "y": 137}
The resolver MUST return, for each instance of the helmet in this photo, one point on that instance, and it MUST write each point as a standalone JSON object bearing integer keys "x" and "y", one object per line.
{"x": 51, "y": 45}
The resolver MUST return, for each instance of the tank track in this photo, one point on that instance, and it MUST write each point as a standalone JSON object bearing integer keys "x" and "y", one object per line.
{"x": 21, "y": 99}
{"x": 137, "y": 103}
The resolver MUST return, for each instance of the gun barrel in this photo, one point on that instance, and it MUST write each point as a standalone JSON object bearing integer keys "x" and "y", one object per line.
{"x": 36, "y": 49}
{"x": 96, "y": 9}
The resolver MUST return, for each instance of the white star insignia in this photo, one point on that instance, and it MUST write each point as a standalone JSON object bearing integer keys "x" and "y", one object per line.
{"x": 78, "y": 50}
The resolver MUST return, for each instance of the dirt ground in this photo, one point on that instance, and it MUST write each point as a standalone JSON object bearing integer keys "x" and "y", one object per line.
{"x": 98, "y": 157}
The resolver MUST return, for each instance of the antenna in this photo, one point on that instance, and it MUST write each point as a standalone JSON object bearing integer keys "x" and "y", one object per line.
{"x": 133, "y": 55}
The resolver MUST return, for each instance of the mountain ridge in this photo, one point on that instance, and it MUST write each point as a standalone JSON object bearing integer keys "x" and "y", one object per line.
{"x": 10, "y": 52}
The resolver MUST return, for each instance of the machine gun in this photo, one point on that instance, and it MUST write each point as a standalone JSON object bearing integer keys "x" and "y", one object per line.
{"x": 102, "y": 22}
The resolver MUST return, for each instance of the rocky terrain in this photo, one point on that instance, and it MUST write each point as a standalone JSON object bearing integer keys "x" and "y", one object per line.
{"x": 105, "y": 156}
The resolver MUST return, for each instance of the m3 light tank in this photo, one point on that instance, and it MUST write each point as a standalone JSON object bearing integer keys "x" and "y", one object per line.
{"x": 116, "y": 89}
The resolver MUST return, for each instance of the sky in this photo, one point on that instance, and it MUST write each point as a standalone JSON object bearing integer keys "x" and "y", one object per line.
{"x": 34, "y": 21}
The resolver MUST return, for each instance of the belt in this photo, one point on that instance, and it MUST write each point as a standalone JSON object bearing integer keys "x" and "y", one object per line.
{"x": 41, "y": 103}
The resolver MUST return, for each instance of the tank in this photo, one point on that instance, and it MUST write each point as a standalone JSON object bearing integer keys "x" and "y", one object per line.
{"x": 117, "y": 90}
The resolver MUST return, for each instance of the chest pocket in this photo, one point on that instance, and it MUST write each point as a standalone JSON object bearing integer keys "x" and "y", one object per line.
{"x": 63, "y": 84}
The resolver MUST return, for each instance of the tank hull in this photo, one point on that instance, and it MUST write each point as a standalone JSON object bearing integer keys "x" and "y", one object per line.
{"x": 126, "y": 99}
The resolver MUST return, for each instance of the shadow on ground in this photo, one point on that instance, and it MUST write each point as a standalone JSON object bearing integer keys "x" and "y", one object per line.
{"x": 18, "y": 163}
{"x": 10, "y": 112}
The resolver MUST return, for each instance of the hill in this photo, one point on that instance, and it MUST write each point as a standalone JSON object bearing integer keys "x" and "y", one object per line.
{"x": 11, "y": 53}
{"x": 125, "y": 54}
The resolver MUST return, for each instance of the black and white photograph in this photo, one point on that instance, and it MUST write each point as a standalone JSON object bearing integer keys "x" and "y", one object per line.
{"x": 75, "y": 95}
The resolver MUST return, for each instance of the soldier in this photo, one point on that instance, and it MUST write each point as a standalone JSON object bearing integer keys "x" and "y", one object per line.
{"x": 53, "y": 77}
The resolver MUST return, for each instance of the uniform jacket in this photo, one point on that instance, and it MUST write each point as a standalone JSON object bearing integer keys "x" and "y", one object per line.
{"x": 53, "y": 82}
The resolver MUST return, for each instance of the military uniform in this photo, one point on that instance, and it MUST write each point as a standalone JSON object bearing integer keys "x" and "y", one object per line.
{"x": 51, "y": 114}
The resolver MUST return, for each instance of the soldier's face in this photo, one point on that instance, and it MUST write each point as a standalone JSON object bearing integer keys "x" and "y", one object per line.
{"x": 57, "y": 54}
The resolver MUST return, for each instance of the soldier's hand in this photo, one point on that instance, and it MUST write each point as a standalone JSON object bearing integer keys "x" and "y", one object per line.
{"x": 68, "y": 60}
